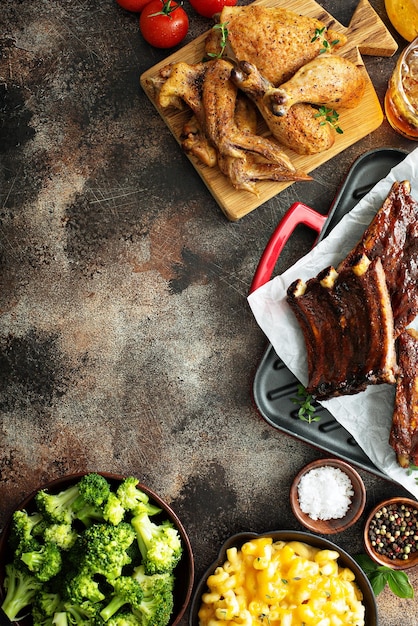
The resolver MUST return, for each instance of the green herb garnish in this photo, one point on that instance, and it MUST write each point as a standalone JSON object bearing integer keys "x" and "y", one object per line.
{"x": 382, "y": 575}
{"x": 330, "y": 117}
{"x": 224, "y": 40}
{"x": 326, "y": 45}
{"x": 412, "y": 468}
{"x": 306, "y": 405}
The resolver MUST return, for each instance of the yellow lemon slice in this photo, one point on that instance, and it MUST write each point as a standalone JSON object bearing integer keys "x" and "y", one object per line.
{"x": 403, "y": 15}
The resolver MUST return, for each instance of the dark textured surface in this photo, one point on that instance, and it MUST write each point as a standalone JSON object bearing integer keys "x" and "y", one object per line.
{"x": 126, "y": 342}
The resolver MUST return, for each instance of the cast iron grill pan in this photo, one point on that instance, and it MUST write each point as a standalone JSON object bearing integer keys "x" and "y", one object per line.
{"x": 274, "y": 384}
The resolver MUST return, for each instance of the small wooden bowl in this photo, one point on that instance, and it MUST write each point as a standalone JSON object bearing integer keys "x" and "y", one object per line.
{"x": 398, "y": 563}
{"x": 331, "y": 526}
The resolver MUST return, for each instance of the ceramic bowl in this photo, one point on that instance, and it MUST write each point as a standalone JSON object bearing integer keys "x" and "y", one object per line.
{"x": 345, "y": 561}
{"x": 184, "y": 572}
{"x": 330, "y": 526}
{"x": 393, "y": 505}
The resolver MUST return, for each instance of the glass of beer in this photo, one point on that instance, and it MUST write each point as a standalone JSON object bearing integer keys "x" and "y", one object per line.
{"x": 401, "y": 99}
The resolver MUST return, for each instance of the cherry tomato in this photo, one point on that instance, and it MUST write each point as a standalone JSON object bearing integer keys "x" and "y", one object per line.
{"x": 208, "y": 8}
{"x": 135, "y": 6}
{"x": 163, "y": 23}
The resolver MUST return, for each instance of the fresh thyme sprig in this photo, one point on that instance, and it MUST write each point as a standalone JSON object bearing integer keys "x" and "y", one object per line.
{"x": 330, "y": 117}
{"x": 413, "y": 468}
{"x": 307, "y": 409}
{"x": 326, "y": 45}
{"x": 223, "y": 27}
{"x": 382, "y": 575}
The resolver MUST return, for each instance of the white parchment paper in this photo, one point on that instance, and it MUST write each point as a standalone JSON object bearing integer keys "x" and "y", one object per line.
{"x": 367, "y": 416}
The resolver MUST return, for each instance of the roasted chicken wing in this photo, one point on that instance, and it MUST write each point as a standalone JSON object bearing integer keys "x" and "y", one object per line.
{"x": 219, "y": 100}
{"x": 223, "y": 127}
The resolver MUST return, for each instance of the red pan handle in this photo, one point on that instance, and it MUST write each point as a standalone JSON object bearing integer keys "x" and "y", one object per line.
{"x": 298, "y": 213}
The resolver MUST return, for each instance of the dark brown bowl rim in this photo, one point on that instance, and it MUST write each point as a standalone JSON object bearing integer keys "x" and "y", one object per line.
{"x": 184, "y": 570}
{"x": 329, "y": 527}
{"x": 378, "y": 558}
{"x": 369, "y": 599}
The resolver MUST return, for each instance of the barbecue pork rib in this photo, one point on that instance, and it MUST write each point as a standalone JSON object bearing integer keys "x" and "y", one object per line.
{"x": 404, "y": 431}
{"x": 347, "y": 323}
{"x": 393, "y": 237}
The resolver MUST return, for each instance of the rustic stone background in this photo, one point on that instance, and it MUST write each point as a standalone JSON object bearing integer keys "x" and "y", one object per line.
{"x": 126, "y": 342}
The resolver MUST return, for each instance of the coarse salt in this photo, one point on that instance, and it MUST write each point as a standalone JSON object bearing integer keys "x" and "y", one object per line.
{"x": 325, "y": 493}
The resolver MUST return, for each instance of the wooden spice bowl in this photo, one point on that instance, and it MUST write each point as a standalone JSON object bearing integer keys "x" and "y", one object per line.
{"x": 337, "y": 525}
{"x": 393, "y": 505}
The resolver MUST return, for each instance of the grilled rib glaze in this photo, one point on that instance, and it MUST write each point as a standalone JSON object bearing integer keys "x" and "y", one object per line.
{"x": 347, "y": 322}
{"x": 404, "y": 432}
{"x": 393, "y": 236}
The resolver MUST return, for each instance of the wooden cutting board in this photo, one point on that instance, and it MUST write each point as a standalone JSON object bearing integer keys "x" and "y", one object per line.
{"x": 366, "y": 34}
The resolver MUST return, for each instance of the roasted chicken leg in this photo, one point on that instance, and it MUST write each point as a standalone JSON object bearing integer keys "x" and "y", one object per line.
{"x": 329, "y": 80}
{"x": 301, "y": 129}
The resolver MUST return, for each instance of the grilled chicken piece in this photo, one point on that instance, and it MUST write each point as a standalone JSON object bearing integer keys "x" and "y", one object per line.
{"x": 243, "y": 170}
{"x": 347, "y": 323}
{"x": 301, "y": 129}
{"x": 393, "y": 236}
{"x": 183, "y": 84}
{"x": 275, "y": 40}
{"x": 194, "y": 141}
{"x": 329, "y": 80}
{"x": 219, "y": 99}
{"x": 404, "y": 431}
{"x": 222, "y": 130}
{"x": 246, "y": 170}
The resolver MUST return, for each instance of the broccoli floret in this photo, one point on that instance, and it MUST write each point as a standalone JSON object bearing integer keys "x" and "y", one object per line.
{"x": 159, "y": 544}
{"x": 158, "y": 598}
{"x": 113, "y": 511}
{"x": 155, "y": 611}
{"x": 82, "y": 587}
{"x": 124, "y": 619}
{"x": 133, "y": 499}
{"x": 84, "y": 613}
{"x": 153, "y": 584}
{"x": 126, "y": 590}
{"x": 43, "y": 560}
{"x": 63, "y": 535}
{"x": 72, "y": 615}
{"x": 103, "y": 549}
{"x": 89, "y": 514}
{"x": 58, "y": 507}
{"x": 94, "y": 489}
{"x": 21, "y": 588}
{"x": 94, "y": 492}
{"x": 130, "y": 495}
{"x": 45, "y": 604}
{"x": 83, "y": 500}
{"x": 26, "y": 526}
